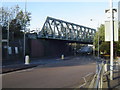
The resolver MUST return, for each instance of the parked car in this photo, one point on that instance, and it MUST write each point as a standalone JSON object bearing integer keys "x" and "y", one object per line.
{"x": 85, "y": 50}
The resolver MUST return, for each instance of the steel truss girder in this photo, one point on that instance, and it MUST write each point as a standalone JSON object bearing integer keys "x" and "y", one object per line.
{"x": 59, "y": 29}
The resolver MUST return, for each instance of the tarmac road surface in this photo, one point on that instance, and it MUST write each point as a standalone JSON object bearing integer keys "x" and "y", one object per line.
{"x": 65, "y": 74}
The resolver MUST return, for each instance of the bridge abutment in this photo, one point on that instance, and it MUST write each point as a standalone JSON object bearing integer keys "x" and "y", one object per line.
{"x": 49, "y": 47}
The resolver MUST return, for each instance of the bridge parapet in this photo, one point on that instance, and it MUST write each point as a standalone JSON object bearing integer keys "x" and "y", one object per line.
{"x": 62, "y": 30}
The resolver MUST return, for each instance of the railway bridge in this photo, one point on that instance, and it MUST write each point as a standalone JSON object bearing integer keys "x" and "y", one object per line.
{"x": 61, "y": 37}
{"x": 63, "y": 30}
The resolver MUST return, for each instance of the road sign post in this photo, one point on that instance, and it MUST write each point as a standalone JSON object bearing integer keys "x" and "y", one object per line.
{"x": 111, "y": 34}
{"x": 111, "y": 42}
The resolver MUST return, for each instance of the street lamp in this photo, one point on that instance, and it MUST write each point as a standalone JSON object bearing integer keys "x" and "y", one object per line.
{"x": 25, "y": 28}
{"x": 111, "y": 44}
{"x": 8, "y": 33}
{"x": 112, "y": 38}
{"x": 24, "y": 41}
{"x": 98, "y": 41}
{"x": 93, "y": 42}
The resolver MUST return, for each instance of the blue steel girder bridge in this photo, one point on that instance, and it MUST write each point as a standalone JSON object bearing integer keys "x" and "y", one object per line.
{"x": 62, "y": 30}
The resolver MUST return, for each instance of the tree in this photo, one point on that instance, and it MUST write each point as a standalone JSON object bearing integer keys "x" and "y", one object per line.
{"x": 105, "y": 46}
{"x": 17, "y": 20}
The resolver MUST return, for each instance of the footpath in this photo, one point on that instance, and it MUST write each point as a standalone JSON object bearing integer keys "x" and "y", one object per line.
{"x": 115, "y": 83}
{"x": 112, "y": 84}
{"x": 106, "y": 82}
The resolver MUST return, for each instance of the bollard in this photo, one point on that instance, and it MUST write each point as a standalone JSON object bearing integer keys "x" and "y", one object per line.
{"x": 62, "y": 57}
{"x": 105, "y": 67}
{"x": 27, "y": 60}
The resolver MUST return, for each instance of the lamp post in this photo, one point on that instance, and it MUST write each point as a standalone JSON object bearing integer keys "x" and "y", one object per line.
{"x": 111, "y": 40}
{"x": 112, "y": 35}
{"x": 94, "y": 42}
{"x": 24, "y": 42}
{"x": 98, "y": 41}
{"x": 24, "y": 29}
{"x": 8, "y": 34}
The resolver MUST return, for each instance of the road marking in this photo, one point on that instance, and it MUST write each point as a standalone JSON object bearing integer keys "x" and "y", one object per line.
{"x": 85, "y": 80}
{"x": 19, "y": 71}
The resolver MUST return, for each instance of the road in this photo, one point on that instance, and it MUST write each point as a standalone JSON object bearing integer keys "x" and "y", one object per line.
{"x": 65, "y": 74}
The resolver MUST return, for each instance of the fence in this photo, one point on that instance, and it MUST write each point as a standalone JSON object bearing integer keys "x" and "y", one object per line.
{"x": 102, "y": 69}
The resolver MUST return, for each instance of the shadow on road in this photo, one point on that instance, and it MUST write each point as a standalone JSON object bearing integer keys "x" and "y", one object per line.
{"x": 73, "y": 61}
{"x": 56, "y": 62}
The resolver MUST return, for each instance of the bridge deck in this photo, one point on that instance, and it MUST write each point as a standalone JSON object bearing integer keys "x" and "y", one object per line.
{"x": 62, "y": 30}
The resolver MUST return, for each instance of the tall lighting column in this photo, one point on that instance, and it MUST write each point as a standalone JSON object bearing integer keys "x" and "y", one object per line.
{"x": 111, "y": 40}
{"x": 25, "y": 28}
{"x": 93, "y": 42}
{"x": 98, "y": 40}
{"x": 8, "y": 34}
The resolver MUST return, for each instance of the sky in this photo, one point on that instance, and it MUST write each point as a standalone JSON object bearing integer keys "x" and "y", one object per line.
{"x": 76, "y": 12}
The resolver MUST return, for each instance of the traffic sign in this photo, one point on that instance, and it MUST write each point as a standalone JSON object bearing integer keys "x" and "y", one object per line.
{"x": 107, "y": 31}
{"x": 119, "y": 11}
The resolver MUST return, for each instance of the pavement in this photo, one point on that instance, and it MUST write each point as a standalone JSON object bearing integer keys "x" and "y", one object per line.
{"x": 112, "y": 84}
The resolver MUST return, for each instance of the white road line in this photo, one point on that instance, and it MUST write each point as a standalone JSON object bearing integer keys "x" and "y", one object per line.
{"x": 85, "y": 80}
{"x": 19, "y": 71}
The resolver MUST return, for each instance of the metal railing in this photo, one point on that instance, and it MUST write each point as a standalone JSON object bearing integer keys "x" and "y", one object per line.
{"x": 102, "y": 69}
{"x": 99, "y": 78}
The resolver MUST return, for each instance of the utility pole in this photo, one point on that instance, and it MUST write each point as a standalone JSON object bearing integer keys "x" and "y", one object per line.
{"x": 93, "y": 47}
{"x": 111, "y": 40}
{"x": 93, "y": 42}
{"x": 98, "y": 42}
{"x": 8, "y": 35}
{"x": 25, "y": 28}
